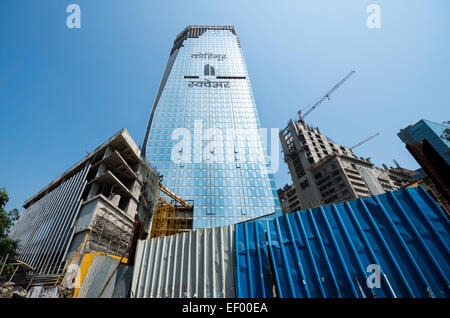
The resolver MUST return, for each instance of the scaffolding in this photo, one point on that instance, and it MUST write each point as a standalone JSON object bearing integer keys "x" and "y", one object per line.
{"x": 171, "y": 217}
{"x": 110, "y": 235}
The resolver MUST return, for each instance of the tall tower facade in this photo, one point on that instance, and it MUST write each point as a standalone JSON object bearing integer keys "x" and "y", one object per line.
{"x": 204, "y": 133}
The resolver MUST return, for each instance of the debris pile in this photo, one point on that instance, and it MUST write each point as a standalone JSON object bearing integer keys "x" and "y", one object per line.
{"x": 65, "y": 292}
{"x": 11, "y": 290}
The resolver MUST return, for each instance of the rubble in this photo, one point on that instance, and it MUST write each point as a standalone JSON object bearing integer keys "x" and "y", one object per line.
{"x": 65, "y": 292}
{"x": 11, "y": 290}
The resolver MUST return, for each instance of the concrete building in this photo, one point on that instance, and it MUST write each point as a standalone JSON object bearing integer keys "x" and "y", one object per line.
{"x": 98, "y": 200}
{"x": 401, "y": 176}
{"x": 324, "y": 172}
{"x": 288, "y": 198}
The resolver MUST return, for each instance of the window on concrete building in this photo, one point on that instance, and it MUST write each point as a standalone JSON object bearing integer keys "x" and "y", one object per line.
{"x": 304, "y": 184}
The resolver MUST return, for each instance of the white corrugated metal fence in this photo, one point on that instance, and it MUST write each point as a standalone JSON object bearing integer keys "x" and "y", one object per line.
{"x": 198, "y": 263}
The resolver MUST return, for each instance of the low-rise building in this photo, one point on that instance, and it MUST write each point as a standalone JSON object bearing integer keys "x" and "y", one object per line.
{"x": 96, "y": 202}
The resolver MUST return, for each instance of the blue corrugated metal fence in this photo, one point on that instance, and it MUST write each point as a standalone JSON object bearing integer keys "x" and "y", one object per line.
{"x": 252, "y": 262}
{"x": 335, "y": 250}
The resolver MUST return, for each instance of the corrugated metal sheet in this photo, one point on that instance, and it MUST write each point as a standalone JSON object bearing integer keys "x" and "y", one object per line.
{"x": 252, "y": 262}
{"x": 329, "y": 251}
{"x": 43, "y": 292}
{"x": 194, "y": 264}
{"x": 101, "y": 268}
{"x": 325, "y": 252}
{"x": 124, "y": 276}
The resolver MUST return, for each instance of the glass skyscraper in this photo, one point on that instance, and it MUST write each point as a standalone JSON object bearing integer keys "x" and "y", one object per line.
{"x": 438, "y": 135}
{"x": 204, "y": 134}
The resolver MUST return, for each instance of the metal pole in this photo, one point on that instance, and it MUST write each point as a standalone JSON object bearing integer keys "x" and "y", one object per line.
{"x": 17, "y": 267}
{"x": 110, "y": 276}
{"x": 32, "y": 277}
{"x": 1, "y": 270}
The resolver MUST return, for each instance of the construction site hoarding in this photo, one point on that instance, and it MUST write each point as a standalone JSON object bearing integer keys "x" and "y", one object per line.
{"x": 198, "y": 263}
{"x": 392, "y": 245}
{"x": 252, "y": 262}
{"x": 106, "y": 277}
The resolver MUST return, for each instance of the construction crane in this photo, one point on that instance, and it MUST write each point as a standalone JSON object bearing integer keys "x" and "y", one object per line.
{"x": 364, "y": 141}
{"x": 324, "y": 97}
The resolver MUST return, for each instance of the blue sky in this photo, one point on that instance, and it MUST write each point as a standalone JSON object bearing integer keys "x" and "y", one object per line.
{"x": 64, "y": 91}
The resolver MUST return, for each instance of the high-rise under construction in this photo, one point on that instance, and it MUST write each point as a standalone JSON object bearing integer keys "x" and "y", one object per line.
{"x": 324, "y": 172}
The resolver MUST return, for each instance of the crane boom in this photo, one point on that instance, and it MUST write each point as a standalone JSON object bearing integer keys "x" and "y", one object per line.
{"x": 364, "y": 141}
{"x": 326, "y": 96}
{"x": 174, "y": 196}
